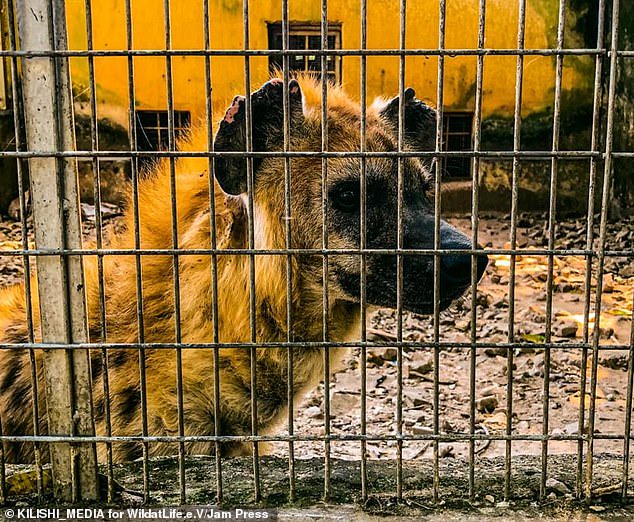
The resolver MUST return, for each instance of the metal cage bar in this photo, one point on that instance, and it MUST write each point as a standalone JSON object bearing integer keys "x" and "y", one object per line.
{"x": 48, "y": 146}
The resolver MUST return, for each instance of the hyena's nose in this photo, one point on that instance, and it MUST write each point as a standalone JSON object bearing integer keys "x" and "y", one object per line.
{"x": 455, "y": 268}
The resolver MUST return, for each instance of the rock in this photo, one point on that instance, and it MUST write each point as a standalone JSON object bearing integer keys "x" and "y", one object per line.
{"x": 487, "y": 404}
{"x": 414, "y": 398}
{"x": 446, "y": 452}
{"x": 421, "y": 369}
{"x": 390, "y": 354}
{"x": 447, "y": 427}
{"x": 484, "y": 299}
{"x": 523, "y": 426}
{"x": 490, "y": 498}
{"x": 567, "y": 329}
{"x": 463, "y": 325}
{"x": 314, "y": 412}
{"x": 419, "y": 429}
{"x": 572, "y": 428}
{"x": 608, "y": 283}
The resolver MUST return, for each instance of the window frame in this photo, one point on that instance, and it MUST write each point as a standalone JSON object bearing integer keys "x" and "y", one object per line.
{"x": 307, "y": 29}
{"x": 446, "y": 133}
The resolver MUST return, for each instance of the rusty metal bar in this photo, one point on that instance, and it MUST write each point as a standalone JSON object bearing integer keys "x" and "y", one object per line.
{"x": 596, "y": 112}
{"x": 628, "y": 410}
{"x": 49, "y": 126}
{"x": 517, "y": 127}
{"x": 214, "y": 258}
{"x": 552, "y": 219}
{"x": 94, "y": 138}
{"x": 437, "y": 207}
{"x": 527, "y": 154}
{"x": 134, "y": 170}
{"x": 290, "y": 396}
{"x": 475, "y": 194}
{"x": 399, "y": 258}
{"x": 450, "y": 52}
{"x": 251, "y": 242}
{"x": 311, "y": 251}
{"x": 363, "y": 354}
{"x": 324, "y": 209}
{"x": 309, "y": 344}
{"x": 443, "y": 437}
{"x": 22, "y": 172}
{"x": 171, "y": 140}
{"x": 605, "y": 197}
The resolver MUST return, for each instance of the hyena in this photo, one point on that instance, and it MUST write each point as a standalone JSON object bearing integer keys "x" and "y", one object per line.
{"x": 231, "y": 206}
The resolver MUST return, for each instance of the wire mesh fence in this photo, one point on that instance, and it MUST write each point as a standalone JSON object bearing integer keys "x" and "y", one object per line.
{"x": 92, "y": 333}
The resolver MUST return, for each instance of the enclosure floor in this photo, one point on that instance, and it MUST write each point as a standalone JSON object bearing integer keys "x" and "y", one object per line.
{"x": 492, "y": 314}
{"x": 345, "y": 502}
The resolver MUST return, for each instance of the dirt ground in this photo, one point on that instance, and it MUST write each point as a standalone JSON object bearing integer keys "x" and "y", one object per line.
{"x": 492, "y": 315}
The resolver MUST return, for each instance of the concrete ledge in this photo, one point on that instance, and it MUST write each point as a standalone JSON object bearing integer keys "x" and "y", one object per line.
{"x": 346, "y": 486}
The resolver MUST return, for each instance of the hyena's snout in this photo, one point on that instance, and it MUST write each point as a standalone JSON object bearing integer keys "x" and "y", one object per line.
{"x": 418, "y": 275}
{"x": 455, "y": 267}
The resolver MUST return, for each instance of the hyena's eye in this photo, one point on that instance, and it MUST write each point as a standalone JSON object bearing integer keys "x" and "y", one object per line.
{"x": 345, "y": 198}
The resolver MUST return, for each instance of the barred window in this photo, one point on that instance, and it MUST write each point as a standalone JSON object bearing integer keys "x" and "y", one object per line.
{"x": 457, "y": 135}
{"x": 152, "y": 130}
{"x": 307, "y": 36}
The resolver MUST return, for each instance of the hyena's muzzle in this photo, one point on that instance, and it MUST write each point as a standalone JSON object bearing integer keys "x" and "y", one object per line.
{"x": 417, "y": 272}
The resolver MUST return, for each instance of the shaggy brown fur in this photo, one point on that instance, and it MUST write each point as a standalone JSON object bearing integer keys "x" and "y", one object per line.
{"x": 233, "y": 299}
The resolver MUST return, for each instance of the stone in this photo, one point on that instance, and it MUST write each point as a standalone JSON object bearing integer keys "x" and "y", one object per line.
{"x": 567, "y": 329}
{"x": 314, "y": 412}
{"x": 487, "y": 404}
{"x": 557, "y": 486}
{"x": 419, "y": 429}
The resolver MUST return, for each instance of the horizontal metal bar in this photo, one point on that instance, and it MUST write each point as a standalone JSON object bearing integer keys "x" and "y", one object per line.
{"x": 309, "y": 251}
{"x": 441, "y": 437}
{"x": 307, "y": 344}
{"x": 104, "y": 154}
{"x": 306, "y": 52}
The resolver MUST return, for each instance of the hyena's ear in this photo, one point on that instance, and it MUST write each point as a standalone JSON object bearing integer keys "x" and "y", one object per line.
{"x": 267, "y": 124}
{"x": 420, "y": 121}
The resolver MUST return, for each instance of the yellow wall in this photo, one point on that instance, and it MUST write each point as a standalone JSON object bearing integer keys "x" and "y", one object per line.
{"x": 383, "y": 32}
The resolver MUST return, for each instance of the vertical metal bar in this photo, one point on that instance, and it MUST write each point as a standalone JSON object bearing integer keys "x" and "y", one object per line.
{"x": 628, "y": 410}
{"x": 517, "y": 123}
{"x": 475, "y": 193}
{"x": 605, "y": 200}
{"x": 22, "y": 168}
{"x": 399, "y": 257}
{"x": 596, "y": 111}
{"x": 134, "y": 170}
{"x": 251, "y": 234}
{"x": 324, "y": 209}
{"x": 3, "y": 470}
{"x": 290, "y": 336}
{"x": 56, "y": 218}
{"x": 171, "y": 139}
{"x": 362, "y": 246}
{"x": 552, "y": 212}
{"x": 94, "y": 139}
{"x": 214, "y": 257}
{"x": 437, "y": 205}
